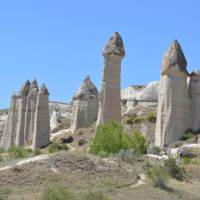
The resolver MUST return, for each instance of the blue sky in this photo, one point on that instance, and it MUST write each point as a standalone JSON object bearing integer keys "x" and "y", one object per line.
{"x": 59, "y": 42}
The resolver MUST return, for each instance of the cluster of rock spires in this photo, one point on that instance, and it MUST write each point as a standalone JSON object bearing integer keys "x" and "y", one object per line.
{"x": 28, "y": 117}
{"x": 177, "y": 95}
{"x": 179, "y": 98}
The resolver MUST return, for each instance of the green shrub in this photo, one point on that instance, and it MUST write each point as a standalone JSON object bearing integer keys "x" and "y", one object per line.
{"x": 108, "y": 138}
{"x": 2, "y": 150}
{"x": 158, "y": 177}
{"x": 57, "y": 193}
{"x": 55, "y": 147}
{"x": 173, "y": 169}
{"x": 187, "y": 136}
{"x": 37, "y": 152}
{"x": 128, "y": 156}
{"x": 128, "y": 120}
{"x": 154, "y": 150}
{"x": 186, "y": 160}
{"x": 138, "y": 143}
{"x": 94, "y": 195}
{"x": 151, "y": 117}
{"x": 19, "y": 152}
{"x": 137, "y": 119}
{"x": 111, "y": 138}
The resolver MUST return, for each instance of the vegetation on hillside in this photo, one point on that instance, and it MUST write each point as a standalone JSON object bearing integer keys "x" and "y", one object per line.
{"x": 110, "y": 138}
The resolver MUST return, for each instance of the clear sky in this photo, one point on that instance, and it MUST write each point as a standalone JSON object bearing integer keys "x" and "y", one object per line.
{"x": 59, "y": 42}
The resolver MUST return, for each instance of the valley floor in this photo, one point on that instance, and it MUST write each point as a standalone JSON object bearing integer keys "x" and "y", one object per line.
{"x": 80, "y": 172}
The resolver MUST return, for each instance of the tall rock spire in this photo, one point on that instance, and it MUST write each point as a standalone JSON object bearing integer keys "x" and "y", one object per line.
{"x": 21, "y": 108}
{"x": 110, "y": 97}
{"x": 30, "y": 111}
{"x": 85, "y": 104}
{"x": 194, "y": 88}
{"x": 173, "y": 114}
{"x": 41, "y": 134}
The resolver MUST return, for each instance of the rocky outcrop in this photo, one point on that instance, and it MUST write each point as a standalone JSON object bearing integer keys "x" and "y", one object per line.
{"x": 173, "y": 114}
{"x": 110, "y": 97}
{"x": 85, "y": 105}
{"x": 141, "y": 98}
{"x": 41, "y": 133}
{"x": 20, "y": 122}
{"x": 56, "y": 118}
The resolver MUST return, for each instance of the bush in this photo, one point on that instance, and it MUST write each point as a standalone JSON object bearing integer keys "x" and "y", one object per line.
{"x": 94, "y": 195}
{"x": 19, "y": 152}
{"x": 55, "y": 147}
{"x": 37, "y": 152}
{"x": 186, "y": 160}
{"x": 128, "y": 156}
{"x": 154, "y": 150}
{"x": 110, "y": 138}
{"x": 2, "y": 150}
{"x": 158, "y": 176}
{"x": 57, "y": 193}
{"x": 173, "y": 169}
{"x": 137, "y": 119}
{"x": 187, "y": 136}
{"x": 151, "y": 117}
{"x": 128, "y": 120}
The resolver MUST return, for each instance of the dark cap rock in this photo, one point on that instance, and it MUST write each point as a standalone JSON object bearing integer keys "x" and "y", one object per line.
{"x": 44, "y": 90}
{"x": 173, "y": 57}
{"x": 34, "y": 89}
{"x": 115, "y": 45}
{"x": 25, "y": 88}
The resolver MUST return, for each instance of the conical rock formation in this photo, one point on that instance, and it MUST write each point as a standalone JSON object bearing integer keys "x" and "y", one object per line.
{"x": 85, "y": 105}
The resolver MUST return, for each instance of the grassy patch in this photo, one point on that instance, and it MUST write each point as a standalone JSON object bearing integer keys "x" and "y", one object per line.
{"x": 94, "y": 195}
{"x": 174, "y": 170}
{"x": 19, "y": 152}
{"x": 158, "y": 176}
{"x": 63, "y": 193}
{"x": 57, "y": 193}
{"x": 55, "y": 147}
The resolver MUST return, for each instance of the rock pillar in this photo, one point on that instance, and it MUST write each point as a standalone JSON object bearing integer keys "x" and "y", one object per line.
{"x": 110, "y": 97}
{"x": 194, "y": 94}
{"x": 173, "y": 104}
{"x": 41, "y": 134}
{"x": 30, "y": 111}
